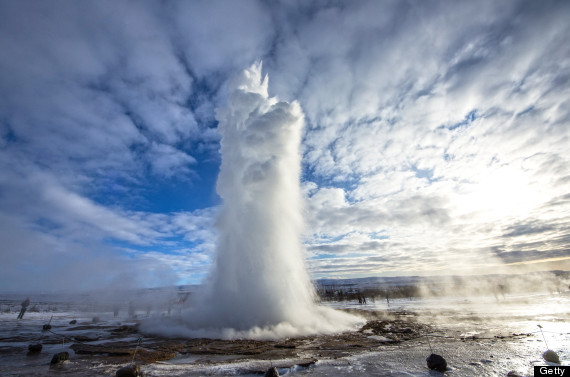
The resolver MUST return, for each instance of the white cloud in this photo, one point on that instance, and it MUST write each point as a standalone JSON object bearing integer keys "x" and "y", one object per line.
{"x": 220, "y": 36}
{"x": 168, "y": 161}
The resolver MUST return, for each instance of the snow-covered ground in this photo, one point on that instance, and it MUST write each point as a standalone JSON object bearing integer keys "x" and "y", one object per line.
{"x": 473, "y": 334}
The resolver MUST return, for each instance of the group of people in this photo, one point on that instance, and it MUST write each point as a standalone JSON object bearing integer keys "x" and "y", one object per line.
{"x": 361, "y": 300}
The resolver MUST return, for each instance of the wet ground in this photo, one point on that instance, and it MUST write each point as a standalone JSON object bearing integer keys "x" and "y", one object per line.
{"x": 477, "y": 338}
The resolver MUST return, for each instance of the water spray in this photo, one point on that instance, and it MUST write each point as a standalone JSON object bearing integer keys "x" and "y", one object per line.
{"x": 259, "y": 286}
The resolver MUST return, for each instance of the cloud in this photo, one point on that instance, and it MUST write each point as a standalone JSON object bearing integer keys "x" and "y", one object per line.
{"x": 167, "y": 161}
{"x": 447, "y": 117}
{"x": 51, "y": 233}
{"x": 94, "y": 107}
{"x": 431, "y": 131}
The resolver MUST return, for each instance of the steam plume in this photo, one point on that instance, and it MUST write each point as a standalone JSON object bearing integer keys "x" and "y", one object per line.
{"x": 259, "y": 287}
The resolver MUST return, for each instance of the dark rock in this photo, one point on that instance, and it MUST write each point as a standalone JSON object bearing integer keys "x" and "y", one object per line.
{"x": 551, "y": 356}
{"x": 129, "y": 371}
{"x": 512, "y": 373}
{"x": 123, "y": 349}
{"x": 109, "y": 349}
{"x": 271, "y": 372}
{"x": 46, "y": 327}
{"x": 59, "y": 358}
{"x": 73, "y": 322}
{"x": 307, "y": 363}
{"x": 436, "y": 362}
{"x": 83, "y": 338}
{"x": 34, "y": 348}
{"x": 125, "y": 329}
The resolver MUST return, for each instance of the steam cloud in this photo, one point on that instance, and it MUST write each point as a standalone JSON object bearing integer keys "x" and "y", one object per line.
{"x": 258, "y": 286}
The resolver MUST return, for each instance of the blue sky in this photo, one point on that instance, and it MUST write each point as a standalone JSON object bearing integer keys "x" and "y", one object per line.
{"x": 436, "y": 135}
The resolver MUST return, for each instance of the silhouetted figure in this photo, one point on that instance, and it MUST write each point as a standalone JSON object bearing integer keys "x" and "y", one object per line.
{"x": 131, "y": 310}
{"x": 25, "y": 305}
{"x": 363, "y": 300}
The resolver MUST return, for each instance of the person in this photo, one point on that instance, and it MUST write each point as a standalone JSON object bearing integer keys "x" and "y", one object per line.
{"x": 363, "y": 299}
{"x": 132, "y": 310}
{"x": 25, "y": 305}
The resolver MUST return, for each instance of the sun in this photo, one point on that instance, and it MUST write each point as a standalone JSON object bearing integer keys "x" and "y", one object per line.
{"x": 506, "y": 192}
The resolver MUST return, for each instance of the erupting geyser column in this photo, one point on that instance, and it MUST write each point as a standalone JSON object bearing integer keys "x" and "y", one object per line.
{"x": 259, "y": 274}
{"x": 258, "y": 286}
{"x": 259, "y": 282}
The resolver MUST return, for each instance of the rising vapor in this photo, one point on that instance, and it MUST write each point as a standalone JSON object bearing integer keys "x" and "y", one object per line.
{"x": 258, "y": 286}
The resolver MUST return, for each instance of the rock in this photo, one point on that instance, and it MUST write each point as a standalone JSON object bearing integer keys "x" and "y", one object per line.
{"x": 551, "y": 356}
{"x": 59, "y": 358}
{"x": 436, "y": 362}
{"x": 271, "y": 372}
{"x": 83, "y": 338}
{"x": 129, "y": 371}
{"x": 91, "y": 349}
{"x": 34, "y": 348}
{"x": 512, "y": 373}
{"x": 46, "y": 327}
{"x": 73, "y": 322}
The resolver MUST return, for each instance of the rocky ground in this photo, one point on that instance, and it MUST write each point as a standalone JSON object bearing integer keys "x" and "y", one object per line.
{"x": 100, "y": 344}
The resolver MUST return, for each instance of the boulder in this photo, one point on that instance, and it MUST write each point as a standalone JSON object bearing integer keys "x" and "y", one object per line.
{"x": 129, "y": 371}
{"x": 436, "y": 362}
{"x": 73, "y": 322}
{"x": 271, "y": 372}
{"x": 46, "y": 327}
{"x": 59, "y": 358}
{"x": 34, "y": 348}
{"x": 551, "y": 356}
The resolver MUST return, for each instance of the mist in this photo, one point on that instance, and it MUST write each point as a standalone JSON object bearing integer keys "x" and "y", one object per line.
{"x": 258, "y": 286}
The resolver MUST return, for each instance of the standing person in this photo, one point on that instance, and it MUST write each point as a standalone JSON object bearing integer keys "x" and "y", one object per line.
{"x": 132, "y": 310}
{"x": 116, "y": 310}
{"x": 25, "y": 305}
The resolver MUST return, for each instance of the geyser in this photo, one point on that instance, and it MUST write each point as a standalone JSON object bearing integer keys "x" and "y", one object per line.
{"x": 258, "y": 286}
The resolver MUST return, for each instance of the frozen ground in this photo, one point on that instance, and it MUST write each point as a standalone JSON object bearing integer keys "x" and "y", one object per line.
{"x": 478, "y": 337}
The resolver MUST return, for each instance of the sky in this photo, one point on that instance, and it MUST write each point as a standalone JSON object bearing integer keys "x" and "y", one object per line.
{"x": 436, "y": 137}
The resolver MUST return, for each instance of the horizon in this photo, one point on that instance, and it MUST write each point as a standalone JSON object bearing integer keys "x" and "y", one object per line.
{"x": 179, "y": 288}
{"x": 435, "y": 136}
